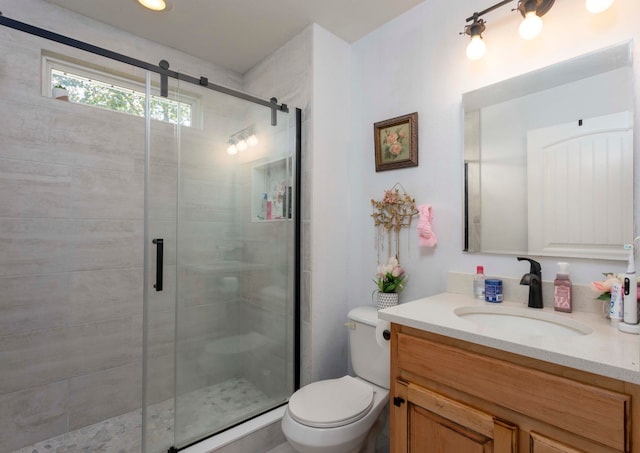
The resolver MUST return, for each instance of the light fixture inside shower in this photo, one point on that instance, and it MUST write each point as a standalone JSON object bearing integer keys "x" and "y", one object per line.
{"x": 242, "y": 140}
{"x": 530, "y": 27}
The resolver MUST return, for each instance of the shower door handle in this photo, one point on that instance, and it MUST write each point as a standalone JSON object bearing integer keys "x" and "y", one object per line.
{"x": 159, "y": 260}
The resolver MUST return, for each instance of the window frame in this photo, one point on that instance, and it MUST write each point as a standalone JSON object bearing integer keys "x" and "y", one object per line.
{"x": 104, "y": 76}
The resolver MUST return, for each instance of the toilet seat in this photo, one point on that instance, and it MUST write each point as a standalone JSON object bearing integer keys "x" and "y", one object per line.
{"x": 331, "y": 403}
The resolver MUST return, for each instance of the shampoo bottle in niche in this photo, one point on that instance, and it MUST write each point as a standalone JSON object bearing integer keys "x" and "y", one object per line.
{"x": 478, "y": 283}
{"x": 562, "y": 289}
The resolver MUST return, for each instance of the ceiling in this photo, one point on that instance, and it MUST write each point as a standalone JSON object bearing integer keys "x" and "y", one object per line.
{"x": 238, "y": 34}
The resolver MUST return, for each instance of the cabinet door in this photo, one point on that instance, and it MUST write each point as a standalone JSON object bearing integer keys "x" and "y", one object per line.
{"x": 542, "y": 444}
{"x": 427, "y": 422}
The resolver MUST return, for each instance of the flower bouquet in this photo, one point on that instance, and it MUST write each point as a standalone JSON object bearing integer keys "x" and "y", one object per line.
{"x": 390, "y": 279}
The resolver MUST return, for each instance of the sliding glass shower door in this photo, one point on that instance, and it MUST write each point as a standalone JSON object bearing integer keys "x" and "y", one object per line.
{"x": 220, "y": 256}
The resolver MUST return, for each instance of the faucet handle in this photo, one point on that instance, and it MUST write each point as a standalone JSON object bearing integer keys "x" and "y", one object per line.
{"x": 536, "y": 269}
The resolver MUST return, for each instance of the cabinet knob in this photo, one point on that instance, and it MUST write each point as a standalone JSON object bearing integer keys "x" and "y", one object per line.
{"x": 397, "y": 401}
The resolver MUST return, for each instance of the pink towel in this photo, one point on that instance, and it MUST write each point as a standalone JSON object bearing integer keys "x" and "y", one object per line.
{"x": 426, "y": 236}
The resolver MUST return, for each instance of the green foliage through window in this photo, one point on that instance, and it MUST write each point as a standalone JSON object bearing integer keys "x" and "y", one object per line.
{"x": 121, "y": 99}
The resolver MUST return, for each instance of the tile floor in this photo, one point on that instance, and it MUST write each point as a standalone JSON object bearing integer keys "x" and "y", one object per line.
{"x": 230, "y": 400}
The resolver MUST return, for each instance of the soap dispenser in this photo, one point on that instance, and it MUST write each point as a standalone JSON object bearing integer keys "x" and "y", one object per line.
{"x": 562, "y": 289}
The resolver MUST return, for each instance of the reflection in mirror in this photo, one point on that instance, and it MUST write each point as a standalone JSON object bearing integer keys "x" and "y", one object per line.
{"x": 548, "y": 160}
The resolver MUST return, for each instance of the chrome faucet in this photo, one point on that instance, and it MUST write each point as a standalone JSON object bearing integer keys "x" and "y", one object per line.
{"x": 534, "y": 281}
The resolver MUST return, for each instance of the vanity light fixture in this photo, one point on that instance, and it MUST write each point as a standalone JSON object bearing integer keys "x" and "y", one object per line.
{"x": 242, "y": 140}
{"x": 598, "y": 6}
{"x": 477, "y": 47}
{"x": 531, "y": 26}
{"x": 154, "y": 5}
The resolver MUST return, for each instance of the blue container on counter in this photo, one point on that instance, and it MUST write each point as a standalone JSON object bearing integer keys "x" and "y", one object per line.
{"x": 493, "y": 290}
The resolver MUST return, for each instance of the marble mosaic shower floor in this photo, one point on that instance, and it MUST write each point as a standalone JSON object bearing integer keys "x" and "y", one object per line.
{"x": 228, "y": 400}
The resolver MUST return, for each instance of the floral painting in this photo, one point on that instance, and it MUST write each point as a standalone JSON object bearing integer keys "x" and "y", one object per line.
{"x": 396, "y": 142}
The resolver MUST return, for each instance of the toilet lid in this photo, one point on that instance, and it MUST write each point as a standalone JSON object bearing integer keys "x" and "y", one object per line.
{"x": 331, "y": 403}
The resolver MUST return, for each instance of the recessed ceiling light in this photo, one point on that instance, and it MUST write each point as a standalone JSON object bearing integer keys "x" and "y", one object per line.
{"x": 155, "y": 5}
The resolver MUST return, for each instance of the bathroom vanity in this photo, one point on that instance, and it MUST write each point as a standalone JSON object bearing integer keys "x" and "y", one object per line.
{"x": 462, "y": 385}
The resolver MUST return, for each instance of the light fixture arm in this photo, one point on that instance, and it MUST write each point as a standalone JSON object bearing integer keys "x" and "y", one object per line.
{"x": 488, "y": 10}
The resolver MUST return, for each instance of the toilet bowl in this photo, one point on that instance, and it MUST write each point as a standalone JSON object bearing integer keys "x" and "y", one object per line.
{"x": 347, "y": 433}
{"x": 344, "y": 415}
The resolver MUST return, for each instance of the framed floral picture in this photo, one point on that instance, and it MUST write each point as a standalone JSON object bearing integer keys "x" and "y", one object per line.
{"x": 396, "y": 142}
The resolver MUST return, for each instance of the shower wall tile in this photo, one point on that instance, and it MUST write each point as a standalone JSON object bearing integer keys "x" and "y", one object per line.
{"x": 305, "y": 297}
{"x": 105, "y": 294}
{"x": 100, "y": 194}
{"x": 160, "y": 385}
{"x": 99, "y": 396}
{"x": 162, "y": 189}
{"x": 25, "y": 122}
{"x": 160, "y": 334}
{"x": 100, "y": 244}
{"x": 203, "y": 322}
{"x": 32, "y": 415}
{"x": 34, "y": 302}
{"x": 31, "y": 189}
{"x": 45, "y": 356}
{"x": 35, "y": 246}
{"x": 92, "y": 127}
{"x": 19, "y": 82}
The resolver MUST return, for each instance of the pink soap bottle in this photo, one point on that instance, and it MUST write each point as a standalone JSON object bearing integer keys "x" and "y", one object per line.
{"x": 562, "y": 289}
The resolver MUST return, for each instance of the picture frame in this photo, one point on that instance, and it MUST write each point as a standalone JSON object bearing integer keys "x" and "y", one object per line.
{"x": 396, "y": 142}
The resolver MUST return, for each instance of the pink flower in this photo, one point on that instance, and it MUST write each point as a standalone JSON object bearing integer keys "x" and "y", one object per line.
{"x": 395, "y": 149}
{"x": 397, "y": 271}
{"x": 392, "y": 137}
{"x": 605, "y": 286}
{"x": 390, "y": 197}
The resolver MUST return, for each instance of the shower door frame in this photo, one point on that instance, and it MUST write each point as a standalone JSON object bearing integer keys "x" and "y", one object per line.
{"x": 163, "y": 69}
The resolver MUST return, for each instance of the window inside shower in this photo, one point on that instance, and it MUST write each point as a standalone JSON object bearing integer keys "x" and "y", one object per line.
{"x": 98, "y": 87}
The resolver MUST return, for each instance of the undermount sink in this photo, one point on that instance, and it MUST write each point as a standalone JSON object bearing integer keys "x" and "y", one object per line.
{"x": 523, "y": 321}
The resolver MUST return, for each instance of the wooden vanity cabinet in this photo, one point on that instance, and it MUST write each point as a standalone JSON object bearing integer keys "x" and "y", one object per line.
{"x": 451, "y": 396}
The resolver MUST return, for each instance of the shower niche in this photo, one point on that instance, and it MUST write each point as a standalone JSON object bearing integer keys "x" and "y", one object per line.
{"x": 271, "y": 196}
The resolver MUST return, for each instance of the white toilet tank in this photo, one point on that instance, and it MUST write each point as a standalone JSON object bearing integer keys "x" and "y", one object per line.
{"x": 369, "y": 360}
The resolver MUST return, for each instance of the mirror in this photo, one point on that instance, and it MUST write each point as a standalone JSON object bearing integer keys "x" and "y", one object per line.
{"x": 548, "y": 160}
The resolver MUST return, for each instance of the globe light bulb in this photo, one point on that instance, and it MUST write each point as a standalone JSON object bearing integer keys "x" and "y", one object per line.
{"x": 598, "y": 6}
{"x": 531, "y": 26}
{"x": 252, "y": 140}
{"x": 241, "y": 145}
{"x": 476, "y": 48}
{"x": 155, "y": 5}
{"x": 231, "y": 150}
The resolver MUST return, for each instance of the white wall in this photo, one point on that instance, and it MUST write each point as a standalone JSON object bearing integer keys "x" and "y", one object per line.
{"x": 331, "y": 185}
{"x": 417, "y": 63}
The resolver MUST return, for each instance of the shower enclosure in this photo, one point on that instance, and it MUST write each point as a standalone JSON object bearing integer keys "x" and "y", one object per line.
{"x": 148, "y": 274}
{"x": 220, "y": 283}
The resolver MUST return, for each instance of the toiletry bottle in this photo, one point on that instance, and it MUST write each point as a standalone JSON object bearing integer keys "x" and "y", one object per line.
{"x": 478, "y": 283}
{"x": 630, "y": 298}
{"x": 562, "y": 289}
{"x": 263, "y": 207}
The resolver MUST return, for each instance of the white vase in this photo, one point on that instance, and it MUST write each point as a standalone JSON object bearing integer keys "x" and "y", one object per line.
{"x": 60, "y": 93}
{"x": 386, "y": 300}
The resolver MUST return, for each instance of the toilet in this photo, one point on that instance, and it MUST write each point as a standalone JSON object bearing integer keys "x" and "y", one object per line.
{"x": 344, "y": 415}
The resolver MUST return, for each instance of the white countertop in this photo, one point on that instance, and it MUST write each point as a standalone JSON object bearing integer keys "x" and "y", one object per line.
{"x": 606, "y": 351}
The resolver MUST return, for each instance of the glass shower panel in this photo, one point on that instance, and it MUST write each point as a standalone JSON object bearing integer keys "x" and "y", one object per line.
{"x": 235, "y": 267}
{"x": 220, "y": 334}
{"x": 161, "y": 188}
